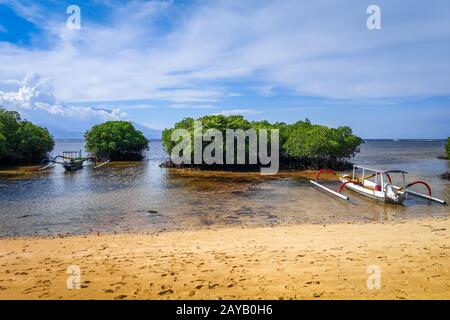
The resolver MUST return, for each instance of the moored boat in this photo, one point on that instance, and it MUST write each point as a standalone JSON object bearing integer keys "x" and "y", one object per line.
{"x": 376, "y": 184}
{"x": 70, "y": 160}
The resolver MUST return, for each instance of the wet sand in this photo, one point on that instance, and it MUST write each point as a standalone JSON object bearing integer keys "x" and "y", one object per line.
{"x": 306, "y": 261}
{"x": 19, "y": 172}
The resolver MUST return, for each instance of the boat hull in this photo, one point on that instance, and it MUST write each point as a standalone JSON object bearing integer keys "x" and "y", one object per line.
{"x": 72, "y": 165}
{"x": 368, "y": 190}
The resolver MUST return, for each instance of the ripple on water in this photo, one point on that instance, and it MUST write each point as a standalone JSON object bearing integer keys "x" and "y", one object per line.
{"x": 142, "y": 196}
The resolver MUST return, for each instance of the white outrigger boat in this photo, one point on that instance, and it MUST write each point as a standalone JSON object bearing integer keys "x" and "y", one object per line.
{"x": 376, "y": 184}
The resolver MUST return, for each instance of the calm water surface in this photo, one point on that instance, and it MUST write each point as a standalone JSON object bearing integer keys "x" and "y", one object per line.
{"x": 142, "y": 196}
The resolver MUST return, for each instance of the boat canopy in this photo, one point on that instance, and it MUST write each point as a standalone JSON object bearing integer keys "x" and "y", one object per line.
{"x": 396, "y": 171}
{"x": 378, "y": 170}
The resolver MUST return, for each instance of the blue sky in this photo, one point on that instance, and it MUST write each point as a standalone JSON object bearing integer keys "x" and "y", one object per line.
{"x": 155, "y": 62}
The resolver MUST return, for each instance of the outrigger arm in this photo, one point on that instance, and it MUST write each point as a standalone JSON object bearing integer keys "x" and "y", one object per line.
{"x": 417, "y": 194}
{"x": 51, "y": 162}
{"x": 67, "y": 161}
{"x": 421, "y": 195}
{"x": 337, "y": 194}
{"x": 101, "y": 164}
{"x": 47, "y": 166}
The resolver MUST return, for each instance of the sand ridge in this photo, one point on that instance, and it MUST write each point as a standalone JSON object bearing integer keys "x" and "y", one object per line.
{"x": 307, "y": 261}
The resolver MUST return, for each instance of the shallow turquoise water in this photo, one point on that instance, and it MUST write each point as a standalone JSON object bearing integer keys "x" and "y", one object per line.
{"x": 143, "y": 196}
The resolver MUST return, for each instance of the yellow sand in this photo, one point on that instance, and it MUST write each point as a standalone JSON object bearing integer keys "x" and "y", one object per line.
{"x": 282, "y": 262}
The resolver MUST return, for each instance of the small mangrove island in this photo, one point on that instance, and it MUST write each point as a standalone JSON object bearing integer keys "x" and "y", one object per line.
{"x": 116, "y": 141}
{"x": 302, "y": 145}
{"x": 22, "y": 142}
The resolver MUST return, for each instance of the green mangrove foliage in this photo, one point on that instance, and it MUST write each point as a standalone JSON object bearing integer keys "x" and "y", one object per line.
{"x": 116, "y": 140}
{"x": 22, "y": 142}
{"x": 221, "y": 123}
{"x": 302, "y": 144}
{"x": 303, "y": 139}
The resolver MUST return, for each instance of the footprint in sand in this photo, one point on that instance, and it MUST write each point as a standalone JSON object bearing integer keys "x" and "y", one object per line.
{"x": 163, "y": 292}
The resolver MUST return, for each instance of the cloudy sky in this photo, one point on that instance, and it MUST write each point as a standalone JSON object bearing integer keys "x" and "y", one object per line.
{"x": 155, "y": 62}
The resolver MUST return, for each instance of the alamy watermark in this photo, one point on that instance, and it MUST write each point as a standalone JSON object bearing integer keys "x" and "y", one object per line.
{"x": 73, "y": 22}
{"x": 73, "y": 281}
{"x": 374, "y": 278}
{"x": 236, "y": 147}
{"x": 374, "y": 20}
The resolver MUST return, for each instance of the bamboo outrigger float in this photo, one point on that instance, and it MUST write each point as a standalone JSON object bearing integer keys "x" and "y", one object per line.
{"x": 70, "y": 160}
{"x": 376, "y": 184}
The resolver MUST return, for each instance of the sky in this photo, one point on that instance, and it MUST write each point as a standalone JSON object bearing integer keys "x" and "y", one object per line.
{"x": 156, "y": 62}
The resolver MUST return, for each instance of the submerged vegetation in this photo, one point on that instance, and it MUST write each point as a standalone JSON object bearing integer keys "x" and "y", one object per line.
{"x": 116, "y": 140}
{"x": 22, "y": 142}
{"x": 303, "y": 145}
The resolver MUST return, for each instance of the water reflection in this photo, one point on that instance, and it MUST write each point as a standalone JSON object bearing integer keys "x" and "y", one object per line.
{"x": 142, "y": 196}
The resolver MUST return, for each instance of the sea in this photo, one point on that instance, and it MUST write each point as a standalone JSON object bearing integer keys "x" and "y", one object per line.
{"x": 143, "y": 197}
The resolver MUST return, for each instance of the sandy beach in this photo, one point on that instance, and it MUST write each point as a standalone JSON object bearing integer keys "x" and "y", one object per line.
{"x": 282, "y": 262}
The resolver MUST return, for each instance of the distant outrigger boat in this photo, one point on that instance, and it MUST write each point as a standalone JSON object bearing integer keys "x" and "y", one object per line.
{"x": 380, "y": 187}
{"x": 70, "y": 160}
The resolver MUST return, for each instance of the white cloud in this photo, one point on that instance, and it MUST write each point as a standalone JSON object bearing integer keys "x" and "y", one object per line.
{"x": 192, "y": 106}
{"x": 321, "y": 49}
{"x": 188, "y": 96}
{"x": 239, "y": 112}
{"x": 36, "y": 93}
{"x": 139, "y": 106}
{"x": 265, "y": 91}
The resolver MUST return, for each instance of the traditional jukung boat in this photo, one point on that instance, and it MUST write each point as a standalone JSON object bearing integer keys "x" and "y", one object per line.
{"x": 70, "y": 160}
{"x": 376, "y": 184}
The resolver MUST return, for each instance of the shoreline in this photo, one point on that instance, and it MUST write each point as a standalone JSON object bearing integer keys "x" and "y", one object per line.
{"x": 147, "y": 231}
{"x": 300, "y": 261}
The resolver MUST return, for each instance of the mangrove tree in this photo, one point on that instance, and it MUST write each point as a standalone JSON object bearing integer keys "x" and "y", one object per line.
{"x": 22, "y": 142}
{"x": 302, "y": 145}
{"x": 116, "y": 140}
